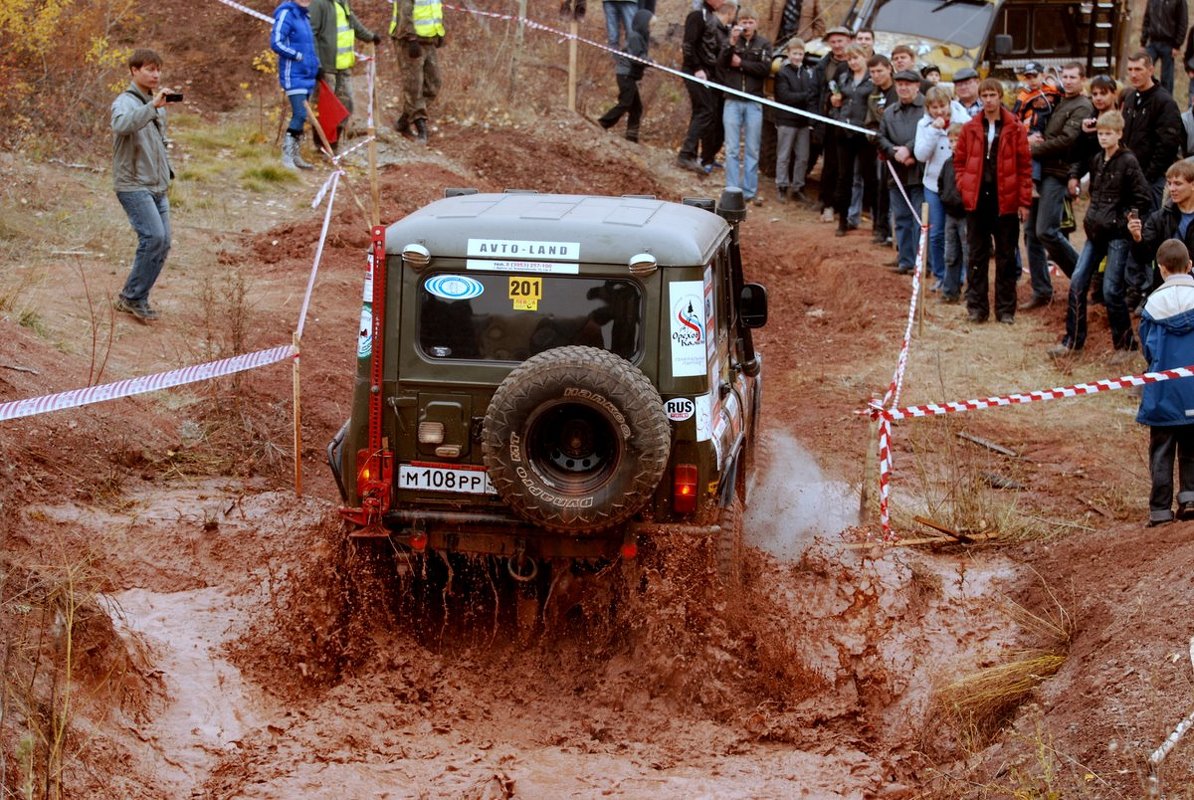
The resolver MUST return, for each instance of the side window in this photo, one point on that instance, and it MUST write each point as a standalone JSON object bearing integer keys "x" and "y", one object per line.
{"x": 1053, "y": 31}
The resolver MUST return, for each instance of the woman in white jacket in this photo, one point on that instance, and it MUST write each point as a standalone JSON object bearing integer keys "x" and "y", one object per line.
{"x": 932, "y": 149}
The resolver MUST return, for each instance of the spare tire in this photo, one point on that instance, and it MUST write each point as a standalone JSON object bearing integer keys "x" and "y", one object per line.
{"x": 576, "y": 440}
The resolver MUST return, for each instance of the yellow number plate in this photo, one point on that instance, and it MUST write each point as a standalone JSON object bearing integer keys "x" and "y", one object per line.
{"x": 525, "y": 293}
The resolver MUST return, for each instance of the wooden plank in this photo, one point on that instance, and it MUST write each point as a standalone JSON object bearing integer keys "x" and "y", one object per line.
{"x": 987, "y": 443}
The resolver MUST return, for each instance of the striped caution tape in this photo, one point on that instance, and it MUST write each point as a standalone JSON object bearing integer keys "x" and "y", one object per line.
{"x": 148, "y": 383}
{"x": 1076, "y": 390}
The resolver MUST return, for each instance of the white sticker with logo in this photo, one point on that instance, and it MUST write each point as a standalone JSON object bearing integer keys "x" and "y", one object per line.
{"x": 365, "y": 332}
{"x": 704, "y": 417}
{"x": 514, "y": 248}
{"x": 454, "y": 287}
{"x": 679, "y": 409}
{"x": 686, "y": 301}
{"x": 368, "y": 293}
{"x": 547, "y": 267}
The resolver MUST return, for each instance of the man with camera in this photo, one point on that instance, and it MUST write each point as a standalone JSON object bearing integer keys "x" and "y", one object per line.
{"x": 141, "y": 174}
{"x": 418, "y": 27}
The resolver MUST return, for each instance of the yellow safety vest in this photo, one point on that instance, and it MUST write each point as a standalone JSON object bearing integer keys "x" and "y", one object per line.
{"x": 428, "y": 19}
{"x": 345, "y": 41}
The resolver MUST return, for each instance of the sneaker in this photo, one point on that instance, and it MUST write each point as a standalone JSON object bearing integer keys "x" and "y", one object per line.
{"x": 840, "y": 232}
{"x": 781, "y": 194}
{"x": 141, "y": 310}
{"x": 800, "y": 197}
{"x": 827, "y": 215}
{"x": 1152, "y": 523}
{"x": 1060, "y": 350}
{"x": 757, "y": 200}
{"x": 1007, "y": 319}
{"x": 690, "y": 164}
{"x": 1122, "y": 358}
{"x": 976, "y": 316}
{"x": 712, "y": 165}
{"x": 1036, "y": 301}
{"x": 950, "y": 299}
{"x": 1185, "y": 510}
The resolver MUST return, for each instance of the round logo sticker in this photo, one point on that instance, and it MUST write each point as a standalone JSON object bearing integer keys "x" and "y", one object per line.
{"x": 454, "y": 287}
{"x": 679, "y": 409}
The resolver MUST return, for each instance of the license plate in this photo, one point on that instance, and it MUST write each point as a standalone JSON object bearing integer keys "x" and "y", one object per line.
{"x": 425, "y": 477}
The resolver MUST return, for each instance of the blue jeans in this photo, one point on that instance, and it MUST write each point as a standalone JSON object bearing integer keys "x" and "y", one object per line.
{"x": 149, "y": 214}
{"x": 743, "y": 119}
{"x": 298, "y": 113}
{"x": 955, "y": 256}
{"x": 1116, "y": 253}
{"x": 1164, "y": 54}
{"x": 936, "y": 234}
{"x": 618, "y": 14}
{"x": 907, "y": 223}
{"x": 854, "y": 215}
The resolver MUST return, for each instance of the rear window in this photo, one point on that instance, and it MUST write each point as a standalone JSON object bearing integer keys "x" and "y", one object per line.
{"x": 513, "y": 317}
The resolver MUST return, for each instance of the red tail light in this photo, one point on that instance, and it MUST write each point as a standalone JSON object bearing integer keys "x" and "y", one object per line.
{"x": 684, "y": 488}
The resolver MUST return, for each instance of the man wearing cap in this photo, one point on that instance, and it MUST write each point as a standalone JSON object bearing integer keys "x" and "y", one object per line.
{"x": 966, "y": 104}
{"x": 1055, "y": 150}
{"x": 897, "y": 135}
{"x": 831, "y": 70}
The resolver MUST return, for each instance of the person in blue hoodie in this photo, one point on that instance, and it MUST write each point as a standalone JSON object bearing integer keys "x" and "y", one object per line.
{"x": 1167, "y": 341}
{"x": 628, "y": 72}
{"x": 298, "y": 69}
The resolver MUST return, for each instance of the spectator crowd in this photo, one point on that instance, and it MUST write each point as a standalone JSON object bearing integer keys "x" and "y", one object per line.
{"x": 993, "y": 170}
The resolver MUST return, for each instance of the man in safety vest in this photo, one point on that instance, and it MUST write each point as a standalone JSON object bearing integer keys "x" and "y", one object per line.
{"x": 418, "y": 27}
{"x": 336, "y": 31}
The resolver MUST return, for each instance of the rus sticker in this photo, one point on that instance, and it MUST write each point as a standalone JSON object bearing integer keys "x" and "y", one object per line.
{"x": 679, "y": 409}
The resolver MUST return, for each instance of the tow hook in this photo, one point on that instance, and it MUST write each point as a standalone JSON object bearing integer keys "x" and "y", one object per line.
{"x": 522, "y": 567}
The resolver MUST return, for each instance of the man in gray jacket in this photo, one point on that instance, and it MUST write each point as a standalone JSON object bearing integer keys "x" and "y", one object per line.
{"x": 141, "y": 174}
{"x": 897, "y": 134}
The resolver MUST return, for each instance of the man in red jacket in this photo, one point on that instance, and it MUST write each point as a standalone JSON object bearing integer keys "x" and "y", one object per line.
{"x": 994, "y": 172}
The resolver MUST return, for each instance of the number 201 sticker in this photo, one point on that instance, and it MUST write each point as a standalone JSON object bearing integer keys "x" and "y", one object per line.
{"x": 679, "y": 409}
{"x": 526, "y": 293}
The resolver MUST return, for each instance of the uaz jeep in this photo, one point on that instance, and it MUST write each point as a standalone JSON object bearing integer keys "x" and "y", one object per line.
{"x": 551, "y": 376}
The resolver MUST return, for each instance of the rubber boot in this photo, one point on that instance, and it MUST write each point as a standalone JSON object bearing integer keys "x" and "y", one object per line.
{"x": 288, "y": 152}
{"x": 403, "y": 126}
{"x": 421, "y": 131}
{"x": 295, "y": 144}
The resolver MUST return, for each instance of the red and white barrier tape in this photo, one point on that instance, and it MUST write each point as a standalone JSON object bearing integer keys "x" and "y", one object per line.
{"x": 148, "y": 383}
{"x": 892, "y": 395}
{"x": 1076, "y": 390}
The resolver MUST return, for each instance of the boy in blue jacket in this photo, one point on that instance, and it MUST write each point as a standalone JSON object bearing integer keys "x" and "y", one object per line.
{"x": 1167, "y": 341}
{"x": 298, "y": 68}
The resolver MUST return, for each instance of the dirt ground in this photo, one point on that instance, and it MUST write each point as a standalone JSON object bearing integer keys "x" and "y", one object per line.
{"x": 232, "y": 644}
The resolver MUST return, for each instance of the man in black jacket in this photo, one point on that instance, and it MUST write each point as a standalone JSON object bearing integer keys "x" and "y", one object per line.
{"x": 1153, "y": 131}
{"x": 705, "y": 133}
{"x": 1164, "y": 23}
{"x": 830, "y": 70}
{"x": 1055, "y": 150}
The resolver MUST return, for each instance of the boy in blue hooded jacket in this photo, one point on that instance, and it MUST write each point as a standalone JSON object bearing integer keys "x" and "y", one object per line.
{"x": 298, "y": 69}
{"x": 1167, "y": 341}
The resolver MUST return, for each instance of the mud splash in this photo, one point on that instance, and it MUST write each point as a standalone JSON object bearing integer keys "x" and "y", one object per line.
{"x": 793, "y": 502}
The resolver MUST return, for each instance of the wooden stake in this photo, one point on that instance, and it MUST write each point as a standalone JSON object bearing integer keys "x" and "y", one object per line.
{"x": 374, "y": 191}
{"x": 298, "y": 429}
{"x": 573, "y": 27}
{"x": 868, "y": 469}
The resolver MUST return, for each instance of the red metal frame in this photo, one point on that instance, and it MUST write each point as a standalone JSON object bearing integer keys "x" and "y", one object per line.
{"x": 376, "y": 460}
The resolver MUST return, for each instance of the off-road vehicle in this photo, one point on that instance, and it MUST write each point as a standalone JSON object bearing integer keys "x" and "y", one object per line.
{"x": 553, "y": 377}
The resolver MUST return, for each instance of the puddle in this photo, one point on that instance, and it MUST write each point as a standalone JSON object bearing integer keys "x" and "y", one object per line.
{"x": 209, "y": 710}
{"x": 793, "y": 502}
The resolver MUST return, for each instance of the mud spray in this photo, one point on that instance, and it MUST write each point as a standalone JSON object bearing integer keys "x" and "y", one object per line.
{"x": 793, "y": 502}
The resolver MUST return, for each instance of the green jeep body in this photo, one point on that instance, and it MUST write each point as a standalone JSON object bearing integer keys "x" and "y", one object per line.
{"x": 560, "y": 375}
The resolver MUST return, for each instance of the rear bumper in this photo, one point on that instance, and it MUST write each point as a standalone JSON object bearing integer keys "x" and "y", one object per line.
{"x": 499, "y": 535}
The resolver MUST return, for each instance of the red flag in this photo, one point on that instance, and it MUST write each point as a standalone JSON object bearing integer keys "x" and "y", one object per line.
{"x": 330, "y": 111}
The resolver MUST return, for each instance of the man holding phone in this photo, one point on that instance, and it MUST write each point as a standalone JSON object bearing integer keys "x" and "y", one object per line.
{"x": 141, "y": 174}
